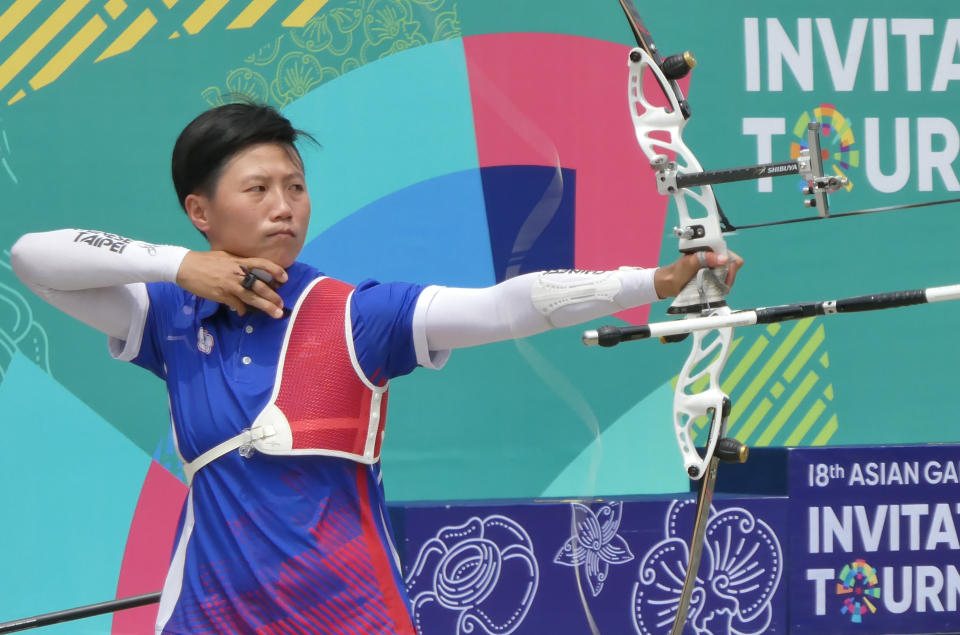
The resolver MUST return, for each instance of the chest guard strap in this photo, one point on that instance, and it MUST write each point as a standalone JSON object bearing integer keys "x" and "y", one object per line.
{"x": 322, "y": 403}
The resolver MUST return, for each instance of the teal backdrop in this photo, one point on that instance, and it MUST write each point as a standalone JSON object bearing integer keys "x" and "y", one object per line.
{"x": 445, "y": 130}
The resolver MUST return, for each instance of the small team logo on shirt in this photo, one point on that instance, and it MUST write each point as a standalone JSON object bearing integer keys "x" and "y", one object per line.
{"x": 204, "y": 341}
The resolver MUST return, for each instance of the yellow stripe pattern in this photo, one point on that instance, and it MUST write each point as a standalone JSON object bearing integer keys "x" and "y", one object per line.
{"x": 39, "y": 39}
{"x": 14, "y": 15}
{"x": 302, "y": 14}
{"x": 130, "y": 36}
{"x": 87, "y": 23}
{"x": 114, "y": 8}
{"x": 249, "y": 16}
{"x": 202, "y": 16}
{"x": 778, "y": 387}
{"x": 69, "y": 53}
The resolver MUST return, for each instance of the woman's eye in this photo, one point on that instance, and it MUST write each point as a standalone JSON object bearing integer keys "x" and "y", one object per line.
{"x": 298, "y": 187}
{"x": 257, "y": 188}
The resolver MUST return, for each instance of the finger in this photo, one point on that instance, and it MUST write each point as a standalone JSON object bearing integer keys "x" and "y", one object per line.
{"x": 275, "y": 270}
{"x": 266, "y": 292}
{"x": 682, "y": 271}
{"x": 713, "y": 259}
{"x": 690, "y": 264}
{"x": 273, "y": 309}
{"x": 262, "y": 275}
{"x": 236, "y": 305}
{"x": 736, "y": 262}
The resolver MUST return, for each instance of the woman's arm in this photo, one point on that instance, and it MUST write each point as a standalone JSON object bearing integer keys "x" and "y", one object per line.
{"x": 536, "y": 302}
{"x": 98, "y": 277}
{"x": 95, "y": 277}
{"x": 531, "y": 304}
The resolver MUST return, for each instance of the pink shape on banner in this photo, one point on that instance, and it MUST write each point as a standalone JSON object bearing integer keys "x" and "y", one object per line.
{"x": 561, "y": 100}
{"x": 149, "y": 545}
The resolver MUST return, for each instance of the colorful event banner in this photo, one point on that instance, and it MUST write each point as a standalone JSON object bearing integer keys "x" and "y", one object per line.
{"x": 874, "y": 546}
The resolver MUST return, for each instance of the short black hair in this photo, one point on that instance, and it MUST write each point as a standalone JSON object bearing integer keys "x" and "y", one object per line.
{"x": 212, "y": 139}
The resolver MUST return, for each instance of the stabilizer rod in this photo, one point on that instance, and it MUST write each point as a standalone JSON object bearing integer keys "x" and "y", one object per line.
{"x": 613, "y": 335}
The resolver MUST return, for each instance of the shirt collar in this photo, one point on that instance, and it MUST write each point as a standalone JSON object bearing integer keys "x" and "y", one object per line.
{"x": 298, "y": 275}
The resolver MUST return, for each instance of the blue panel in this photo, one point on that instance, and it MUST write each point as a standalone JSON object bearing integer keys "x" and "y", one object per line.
{"x": 534, "y": 567}
{"x": 433, "y": 232}
{"x": 530, "y": 212}
{"x": 74, "y": 481}
{"x": 385, "y": 126}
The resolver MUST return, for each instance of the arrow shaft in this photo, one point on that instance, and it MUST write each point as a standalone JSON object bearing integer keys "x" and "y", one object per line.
{"x": 80, "y": 612}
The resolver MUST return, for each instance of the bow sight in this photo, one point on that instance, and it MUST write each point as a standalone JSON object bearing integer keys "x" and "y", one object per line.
{"x": 808, "y": 165}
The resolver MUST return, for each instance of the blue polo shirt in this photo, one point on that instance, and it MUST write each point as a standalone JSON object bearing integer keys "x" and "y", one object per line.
{"x": 273, "y": 544}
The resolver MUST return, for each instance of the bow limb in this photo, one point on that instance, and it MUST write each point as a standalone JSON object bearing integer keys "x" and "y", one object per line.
{"x": 659, "y": 131}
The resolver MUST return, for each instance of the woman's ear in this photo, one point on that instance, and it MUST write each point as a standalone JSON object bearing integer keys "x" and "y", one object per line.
{"x": 197, "y": 207}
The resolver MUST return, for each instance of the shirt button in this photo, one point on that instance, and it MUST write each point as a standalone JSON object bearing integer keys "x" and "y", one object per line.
{"x": 246, "y": 360}
{"x": 248, "y": 328}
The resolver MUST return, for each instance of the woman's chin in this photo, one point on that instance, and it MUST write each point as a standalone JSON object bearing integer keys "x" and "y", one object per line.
{"x": 285, "y": 260}
{"x": 283, "y": 257}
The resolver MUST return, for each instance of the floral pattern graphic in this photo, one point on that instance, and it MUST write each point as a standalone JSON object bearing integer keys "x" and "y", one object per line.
{"x": 332, "y": 30}
{"x": 739, "y": 573}
{"x": 19, "y": 331}
{"x": 297, "y": 73}
{"x": 341, "y": 38}
{"x": 478, "y": 575}
{"x": 595, "y": 543}
{"x": 5, "y": 154}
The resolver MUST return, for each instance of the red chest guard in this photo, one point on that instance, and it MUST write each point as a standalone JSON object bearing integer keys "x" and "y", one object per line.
{"x": 322, "y": 403}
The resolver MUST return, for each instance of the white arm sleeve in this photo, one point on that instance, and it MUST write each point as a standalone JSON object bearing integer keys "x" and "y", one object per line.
{"x": 446, "y": 318}
{"x": 96, "y": 277}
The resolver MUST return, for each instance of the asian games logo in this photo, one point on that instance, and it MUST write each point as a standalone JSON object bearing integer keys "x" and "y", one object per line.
{"x": 857, "y": 583}
{"x": 836, "y": 141}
